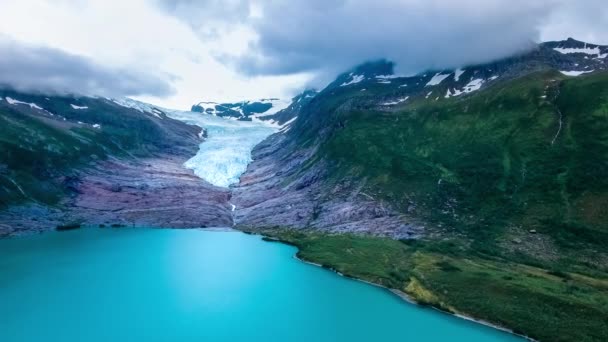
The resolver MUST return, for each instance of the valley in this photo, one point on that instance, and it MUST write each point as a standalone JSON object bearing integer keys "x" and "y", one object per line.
{"x": 480, "y": 191}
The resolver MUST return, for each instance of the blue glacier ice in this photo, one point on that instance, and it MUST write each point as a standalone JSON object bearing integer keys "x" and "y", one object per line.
{"x": 226, "y": 152}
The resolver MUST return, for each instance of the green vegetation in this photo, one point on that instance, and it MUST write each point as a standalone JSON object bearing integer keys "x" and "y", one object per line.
{"x": 40, "y": 152}
{"x": 547, "y": 306}
{"x": 510, "y": 183}
{"x": 529, "y": 154}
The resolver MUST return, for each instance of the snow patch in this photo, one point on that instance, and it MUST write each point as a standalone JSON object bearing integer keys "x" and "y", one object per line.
{"x": 437, "y": 79}
{"x": 575, "y": 73}
{"x": 78, "y": 107}
{"x": 470, "y": 87}
{"x": 458, "y": 73}
{"x": 277, "y": 106}
{"x": 396, "y": 102}
{"x": 354, "y": 80}
{"x": 12, "y": 101}
{"x": 473, "y": 85}
{"x": 98, "y": 126}
{"x": 586, "y": 50}
{"x": 157, "y": 113}
{"x": 289, "y": 122}
{"x": 139, "y": 106}
{"x": 386, "y": 79}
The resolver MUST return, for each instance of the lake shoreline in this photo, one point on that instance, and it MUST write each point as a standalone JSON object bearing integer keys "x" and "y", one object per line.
{"x": 402, "y": 295}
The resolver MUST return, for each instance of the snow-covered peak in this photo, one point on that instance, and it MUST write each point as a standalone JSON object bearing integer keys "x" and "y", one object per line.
{"x": 242, "y": 110}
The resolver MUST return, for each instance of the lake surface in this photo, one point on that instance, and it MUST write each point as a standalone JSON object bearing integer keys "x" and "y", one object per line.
{"x": 193, "y": 285}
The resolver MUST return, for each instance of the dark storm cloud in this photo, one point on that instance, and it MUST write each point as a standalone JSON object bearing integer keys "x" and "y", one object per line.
{"x": 52, "y": 71}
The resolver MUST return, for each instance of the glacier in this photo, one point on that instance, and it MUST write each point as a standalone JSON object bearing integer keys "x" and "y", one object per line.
{"x": 224, "y": 155}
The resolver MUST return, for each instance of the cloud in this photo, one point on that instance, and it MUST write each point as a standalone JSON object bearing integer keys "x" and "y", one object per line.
{"x": 298, "y": 36}
{"x": 328, "y": 36}
{"x": 209, "y": 18}
{"x": 584, "y": 20}
{"x": 51, "y": 71}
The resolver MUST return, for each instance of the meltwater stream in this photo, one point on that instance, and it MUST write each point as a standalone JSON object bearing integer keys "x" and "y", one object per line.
{"x": 224, "y": 155}
{"x": 128, "y": 284}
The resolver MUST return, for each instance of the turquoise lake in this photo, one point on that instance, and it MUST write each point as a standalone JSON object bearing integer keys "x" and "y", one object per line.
{"x": 194, "y": 285}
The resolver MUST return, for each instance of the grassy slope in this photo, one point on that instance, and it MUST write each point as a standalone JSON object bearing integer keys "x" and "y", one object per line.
{"x": 545, "y": 305}
{"x": 482, "y": 171}
{"x": 482, "y": 163}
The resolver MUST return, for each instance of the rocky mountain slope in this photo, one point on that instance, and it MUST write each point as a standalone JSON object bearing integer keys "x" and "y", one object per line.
{"x": 497, "y": 170}
{"x": 69, "y": 159}
{"x": 370, "y": 131}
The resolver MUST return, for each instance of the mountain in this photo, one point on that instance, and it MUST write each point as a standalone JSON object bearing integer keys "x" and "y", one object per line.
{"x": 69, "y": 159}
{"x": 480, "y": 191}
{"x": 492, "y": 176}
{"x": 288, "y": 114}
{"x": 371, "y": 93}
{"x": 273, "y": 110}
{"x": 243, "y": 110}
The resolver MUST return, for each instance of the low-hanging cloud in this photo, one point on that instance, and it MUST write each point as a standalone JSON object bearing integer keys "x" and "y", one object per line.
{"x": 327, "y": 36}
{"x": 298, "y": 36}
{"x": 51, "y": 71}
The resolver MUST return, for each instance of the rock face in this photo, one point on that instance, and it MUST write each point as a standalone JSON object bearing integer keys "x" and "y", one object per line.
{"x": 274, "y": 192}
{"x": 157, "y": 192}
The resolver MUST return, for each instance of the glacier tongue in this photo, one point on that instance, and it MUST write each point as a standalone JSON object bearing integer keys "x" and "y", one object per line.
{"x": 226, "y": 152}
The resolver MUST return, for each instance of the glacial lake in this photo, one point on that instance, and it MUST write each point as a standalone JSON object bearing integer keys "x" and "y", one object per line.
{"x": 193, "y": 285}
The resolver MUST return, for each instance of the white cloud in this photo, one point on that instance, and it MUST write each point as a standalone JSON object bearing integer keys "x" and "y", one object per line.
{"x": 138, "y": 34}
{"x": 202, "y": 47}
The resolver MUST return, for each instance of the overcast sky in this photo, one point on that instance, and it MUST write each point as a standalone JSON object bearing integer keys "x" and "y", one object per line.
{"x": 177, "y": 52}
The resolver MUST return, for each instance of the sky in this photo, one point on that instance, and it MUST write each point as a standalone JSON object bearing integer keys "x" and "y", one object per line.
{"x": 175, "y": 53}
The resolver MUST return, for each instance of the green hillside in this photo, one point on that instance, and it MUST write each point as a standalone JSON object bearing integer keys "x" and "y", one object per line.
{"x": 510, "y": 183}
{"x": 42, "y": 149}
